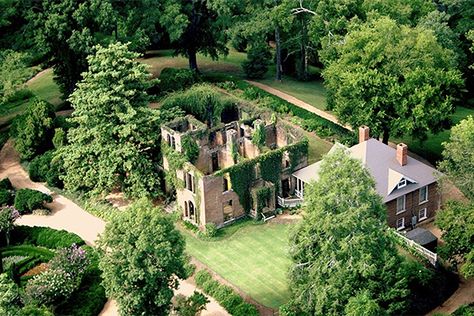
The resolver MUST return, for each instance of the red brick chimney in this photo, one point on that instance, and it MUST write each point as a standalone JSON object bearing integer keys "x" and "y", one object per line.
{"x": 364, "y": 132}
{"x": 402, "y": 154}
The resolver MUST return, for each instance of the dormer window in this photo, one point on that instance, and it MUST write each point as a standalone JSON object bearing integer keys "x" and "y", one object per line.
{"x": 402, "y": 183}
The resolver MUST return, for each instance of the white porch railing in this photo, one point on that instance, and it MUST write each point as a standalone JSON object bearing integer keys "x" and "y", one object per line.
{"x": 299, "y": 194}
{"x": 431, "y": 256}
{"x": 289, "y": 202}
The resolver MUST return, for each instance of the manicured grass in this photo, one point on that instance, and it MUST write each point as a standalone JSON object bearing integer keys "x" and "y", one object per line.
{"x": 317, "y": 147}
{"x": 432, "y": 148}
{"x": 253, "y": 258}
{"x": 44, "y": 87}
{"x": 311, "y": 92}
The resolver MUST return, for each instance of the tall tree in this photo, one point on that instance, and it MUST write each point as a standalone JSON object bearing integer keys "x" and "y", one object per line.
{"x": 458, "y": 157}
{"x": 342, "y": 249}
{"x": 114, "y": 144}
{"x": 142, "y": 257}
{"x": 197, "y": 26}
{"x": 67, "y": 30}
{"x": 395, "y": 79}
{"x": 456, "y": 222}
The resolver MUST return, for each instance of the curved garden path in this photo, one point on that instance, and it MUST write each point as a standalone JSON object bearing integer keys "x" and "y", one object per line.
{"x": 69, "y": 216}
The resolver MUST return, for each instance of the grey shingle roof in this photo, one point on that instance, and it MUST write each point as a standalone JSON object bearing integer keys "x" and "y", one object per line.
{"x": 380, "y": 160}
{"x": 421, "y": 236}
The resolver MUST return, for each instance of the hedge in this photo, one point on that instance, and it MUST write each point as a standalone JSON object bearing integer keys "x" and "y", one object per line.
{"x": 44, "y": 237}
{"x": 174, "y": 79}
{"x": 6, "y": 197}
{"x": 5, "y": 184}
{"x": 27, "y": 200}
{"x": 225, "y": 295}
{"x": 43, "y": 169}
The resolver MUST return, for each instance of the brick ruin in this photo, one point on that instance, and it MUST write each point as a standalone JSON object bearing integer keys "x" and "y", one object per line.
{"x": 206, "y": 194}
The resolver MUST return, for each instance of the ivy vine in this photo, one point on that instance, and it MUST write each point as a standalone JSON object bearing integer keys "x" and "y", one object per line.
{"x": 242, "y": 176}
{"x": 270, "y": 167}
{"x": 262, "y": 195}
{"x": 190, "y": 148}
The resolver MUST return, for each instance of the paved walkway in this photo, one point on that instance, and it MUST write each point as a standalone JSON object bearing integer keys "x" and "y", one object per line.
{"x": 69, "y": 216}
{"x": 299, "y": 103}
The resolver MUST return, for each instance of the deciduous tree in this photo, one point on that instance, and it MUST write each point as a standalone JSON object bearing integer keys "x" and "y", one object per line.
{"x": 458, "y": 157}
{"x": 197, "y": 26}
{"x": 456, "y": 221}
{"x": 142, "y": 259}
{"x": 342, "y": 247}
{"x": 395, "y": 79}
{"x": 115, "y": 143}
{"x": 13, "y": 73}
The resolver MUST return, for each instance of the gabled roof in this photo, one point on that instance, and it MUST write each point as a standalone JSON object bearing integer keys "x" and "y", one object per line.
{"x": 380, "y": 160}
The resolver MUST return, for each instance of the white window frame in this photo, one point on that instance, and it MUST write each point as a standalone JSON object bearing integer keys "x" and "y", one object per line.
{"x": 420, "y": 218}
{"x": 426, "y": 195}
{"x": 403, "y": 183}
{"x": 404, "y": 204}
{"x": 403, "y": 223}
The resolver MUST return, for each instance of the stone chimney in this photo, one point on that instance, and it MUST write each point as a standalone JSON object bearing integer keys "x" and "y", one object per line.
{"x": 402, "y": 154}
{"x": 364, "y": 133}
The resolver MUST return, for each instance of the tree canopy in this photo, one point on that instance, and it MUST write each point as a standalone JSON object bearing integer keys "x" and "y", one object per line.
{"x": 342, "y": 253}
{"x": 458, "y": 157}
{"x": 115, "y": 142}
{"x": 197, "y": 26}
{"x": 395, "y": 79}
{"x": 456, "y": 221}
{"x": 142, "y": 257}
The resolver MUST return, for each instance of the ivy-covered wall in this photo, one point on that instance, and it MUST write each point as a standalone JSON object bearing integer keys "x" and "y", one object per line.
{"x": 242, "y": 174}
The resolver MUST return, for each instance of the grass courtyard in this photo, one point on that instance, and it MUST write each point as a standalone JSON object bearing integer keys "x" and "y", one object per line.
{"x": 251, "y": 256}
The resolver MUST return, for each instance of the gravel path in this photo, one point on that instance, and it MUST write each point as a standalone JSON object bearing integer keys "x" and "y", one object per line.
{"x": 69, "y": 216}
{"x": 299, "y": 103}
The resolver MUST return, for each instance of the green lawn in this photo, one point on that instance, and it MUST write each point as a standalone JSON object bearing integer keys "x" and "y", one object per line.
{"x": 317, "y": 147}
{"x": 42, "y": 87}
{"x": 432, "y": 148}
{"x": 254, "y": 258}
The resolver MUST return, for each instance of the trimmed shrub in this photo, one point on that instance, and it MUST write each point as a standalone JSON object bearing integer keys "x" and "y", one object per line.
{"x": 5, "y": 184}
{"x": 225, "y": 295}
{"x": 46, "y": 168}
{"x": 6, "y": 197}
{"x": 174, "y": 79}
{"x": 44, "y": 237}
{"x": 59, "y": 138}
{"x": 27, "y": 200}
{"x": 39, "y": 166}
{"x": 258, "y": 60}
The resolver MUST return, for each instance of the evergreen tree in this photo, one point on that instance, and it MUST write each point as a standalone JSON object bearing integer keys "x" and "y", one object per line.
{"x": 116, "y": 138}
{"x": 258, "y": 60}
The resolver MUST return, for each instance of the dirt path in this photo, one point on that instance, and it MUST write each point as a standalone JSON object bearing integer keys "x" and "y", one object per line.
{"x": 69, "y": 216}
{"x": 299, "y": 103}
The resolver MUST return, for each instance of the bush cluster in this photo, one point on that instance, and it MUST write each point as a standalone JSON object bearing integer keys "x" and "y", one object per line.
{"x": 60, "y": 280}
{"x": 174, "y": 79}
{"x": 44, "y": 169}
{"x": 27, "y": 200}
{"x": 6, "y": 192}
{"x": 44, "y": 237}
{"x": 225, "y": 295}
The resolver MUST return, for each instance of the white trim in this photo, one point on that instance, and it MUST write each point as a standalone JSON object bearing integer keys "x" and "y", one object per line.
{"x": 419, "y": 195}
{"x": 403, "y": 183}
{"x": 404, "y": 204}
{"x": 402, "y": 227}
{"x": 420, "y": 218}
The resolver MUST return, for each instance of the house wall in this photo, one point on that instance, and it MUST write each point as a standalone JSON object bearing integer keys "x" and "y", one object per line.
{"x": 413, "y": 206}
